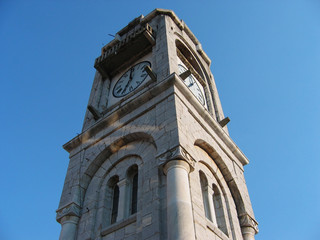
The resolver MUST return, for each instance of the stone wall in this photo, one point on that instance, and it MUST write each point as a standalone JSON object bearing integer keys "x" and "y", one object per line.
{"x": 165, "y": 132}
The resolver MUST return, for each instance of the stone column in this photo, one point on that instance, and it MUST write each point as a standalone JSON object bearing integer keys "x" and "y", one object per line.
{"x": 68, "y": 227}
{"x": 248, "y": 233}
{"x": 122, "y": 207}
{"x": 180, "y": 224}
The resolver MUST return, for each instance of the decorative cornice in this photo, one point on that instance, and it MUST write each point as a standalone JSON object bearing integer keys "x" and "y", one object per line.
{"x": 145, "y": 19}
{"x": 174, "y": 153}
{"x": 71, "y": 209}
{"x": 181, "y": 24}
{"x": 248, "y": 221}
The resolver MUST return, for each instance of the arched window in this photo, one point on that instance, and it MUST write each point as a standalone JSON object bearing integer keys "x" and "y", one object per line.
{"x": 218, "y": 208}
{"x": 185, "y": 55}
{"x": 132, "y": 175}
{"x": 112, "y": 199}
{"x": 205, "y": 195}
{"x": 115, "y": 204}
{"x": 134, "y": 196}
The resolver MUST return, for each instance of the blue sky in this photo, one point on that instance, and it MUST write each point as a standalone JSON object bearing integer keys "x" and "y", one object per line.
{"x": 265, "y": 59}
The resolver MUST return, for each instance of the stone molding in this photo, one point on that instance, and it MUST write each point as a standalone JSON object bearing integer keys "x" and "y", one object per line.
{"x": 248, "y": 221}
{"x": 131, "y": 105}
{"x": 176, "y": 153}
{"x": 71, "y": 209}
{"x": 114, "y": 227}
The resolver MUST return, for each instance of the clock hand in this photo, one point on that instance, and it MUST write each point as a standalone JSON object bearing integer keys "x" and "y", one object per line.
{"x": 131, "y": 71}
{"x": 129, "y": 81}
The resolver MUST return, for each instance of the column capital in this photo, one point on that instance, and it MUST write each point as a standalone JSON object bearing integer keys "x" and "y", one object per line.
{"x": 71, "y": 209}
{"x": 122, "y": 182}
{"x": 248, "y": 224}
{"x": 176, "y": 153}
{"x": 210, "y": 190}
{"x": 176, "y": 163}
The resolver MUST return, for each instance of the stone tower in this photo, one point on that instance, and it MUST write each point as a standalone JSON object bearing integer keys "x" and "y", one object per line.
{"x": 154, "y": 159}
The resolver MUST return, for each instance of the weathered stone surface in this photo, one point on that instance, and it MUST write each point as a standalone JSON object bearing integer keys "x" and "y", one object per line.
{"x": 164, "y": 132}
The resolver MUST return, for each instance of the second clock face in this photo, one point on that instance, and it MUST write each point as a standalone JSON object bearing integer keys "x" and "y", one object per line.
{"x": 193, "y": 85}
{"x": 131, "y": 79}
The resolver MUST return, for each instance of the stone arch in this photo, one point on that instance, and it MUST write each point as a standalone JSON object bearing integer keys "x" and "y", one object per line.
{"x": 187, "y": 46}
{"x": 219, "y": 185}
{"x": 97, "y": 201}
{"x": 227, "y": 175}
{"x": 128, "y": 154}
{"x": 187, "y": 51}
{"x": 111, "y": 149}
{"x": 189, "y": 55}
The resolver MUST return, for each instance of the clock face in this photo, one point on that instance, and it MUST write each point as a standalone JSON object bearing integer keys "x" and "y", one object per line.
{"x": 195, "y": 87}
{"x": 131, "y": 79}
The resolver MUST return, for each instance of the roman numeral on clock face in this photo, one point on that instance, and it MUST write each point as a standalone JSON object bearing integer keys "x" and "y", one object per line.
{"x": 119, "y": 90}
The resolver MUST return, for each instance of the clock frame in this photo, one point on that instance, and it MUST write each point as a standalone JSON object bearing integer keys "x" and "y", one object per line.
{"x": 131, "y": 79}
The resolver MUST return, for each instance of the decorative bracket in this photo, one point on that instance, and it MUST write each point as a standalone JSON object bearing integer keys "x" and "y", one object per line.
{"x": 224, "y": 121}
{"x": 96, "y": 114}
{"x": 185, "y": 74}
{"x": 151, "y": 73}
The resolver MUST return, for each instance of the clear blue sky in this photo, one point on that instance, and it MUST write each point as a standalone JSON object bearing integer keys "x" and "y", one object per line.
{"x": 265, "y": 59}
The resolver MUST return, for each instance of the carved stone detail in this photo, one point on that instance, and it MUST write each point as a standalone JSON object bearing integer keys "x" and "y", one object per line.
{"x": 71, "y": 209}
{"x": 248, "y": 221}
{"x": 177, "y": 152}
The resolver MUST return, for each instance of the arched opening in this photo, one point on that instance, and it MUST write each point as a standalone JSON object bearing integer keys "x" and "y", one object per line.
{"x": 115, "y": 204}
{"x": 218, "y": 209}
{"x": 205, "y": 195}
{"x": 187, "y": 57}
{"x": 112, "y": 199}
{"x": 132, "y": 175}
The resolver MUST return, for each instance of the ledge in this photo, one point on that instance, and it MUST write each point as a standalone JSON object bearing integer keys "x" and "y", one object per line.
{"x": 118, "y": 225}
{"x": 124, "y": 108}
{"x": 216, "y": 230}
{"x": 173, "y": 80}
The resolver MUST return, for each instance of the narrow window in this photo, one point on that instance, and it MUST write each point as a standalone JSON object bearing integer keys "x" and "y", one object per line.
{"x": 134, "y": 197}
{"x": 218, "y": 207}
{"x": 132, "y": 176}
{"x": 205, "y": 195}
{"x": 115, "y": 203}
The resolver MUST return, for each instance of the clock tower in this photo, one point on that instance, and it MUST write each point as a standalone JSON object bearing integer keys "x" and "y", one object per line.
{"x": 154, "y": 159}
